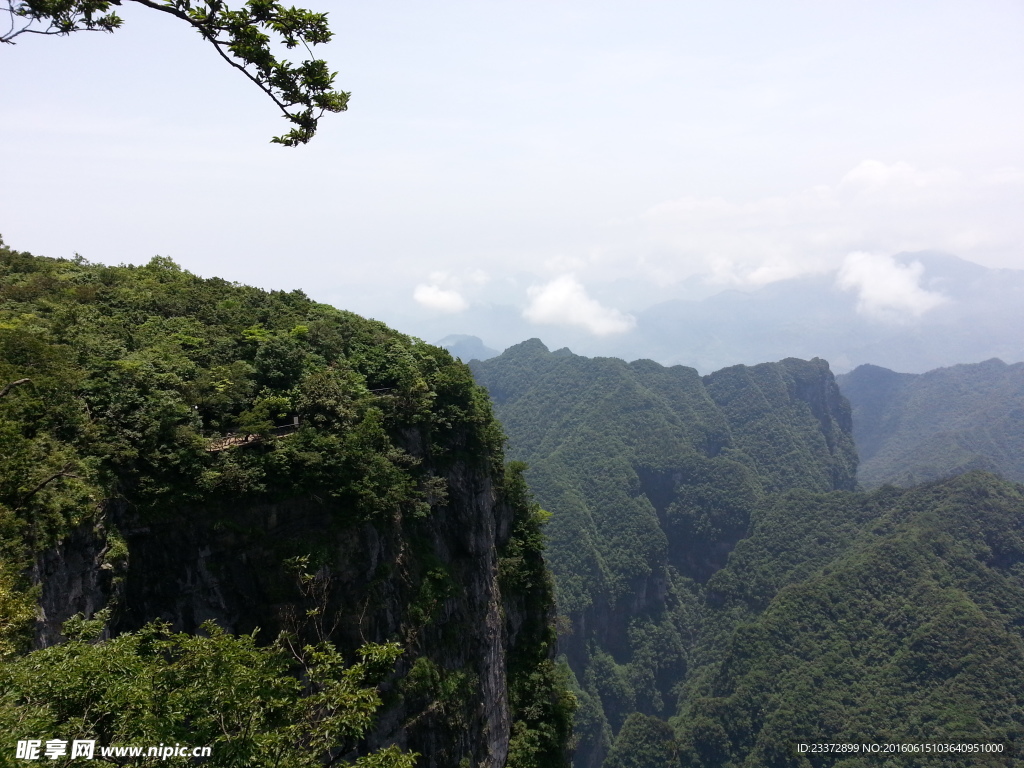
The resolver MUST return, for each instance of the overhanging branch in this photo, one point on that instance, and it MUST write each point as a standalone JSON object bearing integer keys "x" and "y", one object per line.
{"x": 242, "y": 38}
{"x": 219, "y": 45}
{"x": 12, "y": 385}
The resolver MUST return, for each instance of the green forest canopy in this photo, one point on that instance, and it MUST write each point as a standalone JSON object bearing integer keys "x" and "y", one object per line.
{"x": 119, "y": 385}
{"x": 728, "y": 592}
{"x": 914, "y": 427}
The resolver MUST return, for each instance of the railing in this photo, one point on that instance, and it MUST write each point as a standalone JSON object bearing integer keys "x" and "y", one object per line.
{"x": 235, "y": 439}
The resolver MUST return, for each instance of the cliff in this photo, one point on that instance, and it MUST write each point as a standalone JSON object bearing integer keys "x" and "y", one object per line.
{"x": 431, "y": 583}
{"x": 199, "y": 451}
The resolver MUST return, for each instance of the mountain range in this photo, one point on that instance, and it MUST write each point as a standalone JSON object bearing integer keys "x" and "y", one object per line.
{"x": 652, "y": 475}
{"x": 724, "y": 589}
{"x": 923, "y": 310}
{"x": 250, "y": 519}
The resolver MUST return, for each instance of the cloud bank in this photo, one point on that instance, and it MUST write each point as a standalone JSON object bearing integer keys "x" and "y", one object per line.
{"x": 886, "y": 289}
{"x": 564, "y": 301}
{"x": 438, "y": 299}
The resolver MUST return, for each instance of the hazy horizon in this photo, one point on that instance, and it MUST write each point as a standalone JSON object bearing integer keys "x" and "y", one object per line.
{"x": 568, "y": 165}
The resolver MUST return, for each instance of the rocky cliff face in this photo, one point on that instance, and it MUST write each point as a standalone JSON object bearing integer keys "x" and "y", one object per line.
{"x": 432, "y": 582}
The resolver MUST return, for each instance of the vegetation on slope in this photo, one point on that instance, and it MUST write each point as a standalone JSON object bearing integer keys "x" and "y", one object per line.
{"x": 894, "y": 617}
{"x": 251, "y": 705}
{"x": 726, "y": 591}
{"x": 652, "y": 475}
{"x": 911, "y": 428}
{"x": 151, "y": 395}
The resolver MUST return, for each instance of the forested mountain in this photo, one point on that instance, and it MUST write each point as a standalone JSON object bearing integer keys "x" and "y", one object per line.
{"x": 289, "y": 532}
{"x": 895, "y": 617}
{"x": 725, "y": 591}
{"x": 910, "y": 428}
{"x": 183, "y": 460}
{"x": 652, "y": 475}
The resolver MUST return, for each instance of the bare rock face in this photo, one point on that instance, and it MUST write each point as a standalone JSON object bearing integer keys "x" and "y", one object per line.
{"x": 76, "y": 577}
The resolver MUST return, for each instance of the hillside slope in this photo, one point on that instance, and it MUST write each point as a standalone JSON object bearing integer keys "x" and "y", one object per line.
{"x": 726, "y": 592}
{"x": 886, "y": 618}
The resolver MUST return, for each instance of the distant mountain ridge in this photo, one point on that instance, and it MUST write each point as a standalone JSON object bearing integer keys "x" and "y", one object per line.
{"x": 813, "y": 316}
{"x": 912, "y": 428}
{"x": 803, "y": 317}
{"x": 467, "y": 347}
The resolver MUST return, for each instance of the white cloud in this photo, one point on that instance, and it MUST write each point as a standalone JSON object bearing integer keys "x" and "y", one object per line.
{"x": 564, "y": 301}
{"x": 886, "y": 289}
{"x": 439, "y": 299}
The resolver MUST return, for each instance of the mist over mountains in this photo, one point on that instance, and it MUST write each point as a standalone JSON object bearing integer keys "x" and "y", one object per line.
{"x": 912, "y": 312}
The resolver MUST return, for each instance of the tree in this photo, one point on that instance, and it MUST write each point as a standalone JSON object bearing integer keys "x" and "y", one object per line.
{"x": 644, "y": 742}
{"x": 243, "y": 38}
{"x": 260, "y": 706}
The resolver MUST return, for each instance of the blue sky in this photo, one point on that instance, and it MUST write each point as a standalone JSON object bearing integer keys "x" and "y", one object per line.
{"x": 573, "y": 160}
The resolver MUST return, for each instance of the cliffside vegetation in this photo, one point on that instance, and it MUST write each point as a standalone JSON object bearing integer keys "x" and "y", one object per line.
{"x": 208, "y": 450}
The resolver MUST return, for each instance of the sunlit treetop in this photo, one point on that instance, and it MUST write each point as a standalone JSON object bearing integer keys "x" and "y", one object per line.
{"x": 244, "y": 38}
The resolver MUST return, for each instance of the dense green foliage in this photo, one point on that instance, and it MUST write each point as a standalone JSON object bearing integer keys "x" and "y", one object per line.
{"x": 135, "y": 372}
{"x": 244, "y": 38}
{"x": 652, "y": 474}
{"x": 911, "y": 428}
{"x": 728, "y": 593}
{"x": 244, "y": 701}
{"x": 643, "y": 742}
{"x": 174, "y": 414}
{"x": 539, "y": 694}
{"x": 894, "y": 617}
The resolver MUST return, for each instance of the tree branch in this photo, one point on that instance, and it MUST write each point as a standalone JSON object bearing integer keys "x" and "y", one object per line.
{"x": 12, "y": 385}
{"x": 62, "y": 19}
{"x": 242, "y": 37}
{"x": 286, "y": 86}
{"x": 9, "y": 36}
{"x": 64, "y": 472}
{"x": 217, "y": 44}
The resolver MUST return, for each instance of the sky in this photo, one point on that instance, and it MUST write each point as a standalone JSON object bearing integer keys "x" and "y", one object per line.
{"x": 568, "y": 162}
